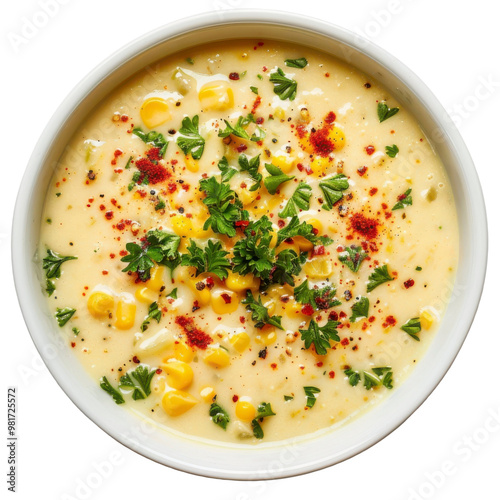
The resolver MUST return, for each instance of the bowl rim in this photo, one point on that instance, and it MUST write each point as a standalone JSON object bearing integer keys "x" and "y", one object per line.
{"x": 191, "y": 25}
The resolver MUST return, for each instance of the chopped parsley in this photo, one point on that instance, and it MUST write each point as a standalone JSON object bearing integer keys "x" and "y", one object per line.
{"x": 173, "y": 294}
{"x": 238, "y": 129}
{"x": 288, "y": 264}
{"x": 379, "y": 276}
{"x": 138, "y": 382}
{"x": 298, "y": 201}
{"x": 153, "y": 138}
{"x": 263, "y": 410}
{"x": 392, "y": 151}
{"x": 381, "y": 376}
{"x": 227, "y": 172}
{"x": 284, "y": 88}
{"x": 260, "y": 314}
{"x": 255, "y": 90}
{"x": 300, "y": 63}
{"x": 418, "y": 268}
{"x": 320, "y": 336}
{"x": 50, "y": 287}
{"x": 153, "y": 313}
{"x": 52, "y": 264}
{"x": 218, "y": 415}
{"x": 114, "y": 393}
{"x": 276, "y": 178}
{"x": 252, "y": 167}
{"x": 211, "y": 259}
{"x": 297, "y": 228}
{"x": 189, "y": 60}
{"x": 404, "y": 200}
{"x": 317, "y": 298}
{"x": 75, "y": 330}
{"x": 332, "y": 189}
{"x": 160, "y": 205}
{"x": 352, "y": 256}
{"x": 360, "y": 309}
{"x": 190, "y": 141}
{"x": 311, "y": 392}
{"x": 384, "y": 112}
{"x": 288, "y": 398}
{"x": 64, "y": 315}
{"x": 412, "y": 327}
{"x": 136, "y": 177}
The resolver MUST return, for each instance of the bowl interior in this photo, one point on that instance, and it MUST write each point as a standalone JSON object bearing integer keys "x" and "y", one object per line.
{"x": 299, "y": 455}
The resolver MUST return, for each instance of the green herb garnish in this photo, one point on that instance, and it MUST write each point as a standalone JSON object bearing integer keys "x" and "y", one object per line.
{"x": 379, "y": 276}
{"x": 404, "y": 200}
{"x": 252, "y": 167}
{"x": 138, "y": 382}
{"x": 381, "y": 376}
{"x": 227, "y": 172}
{"x": 311, "y": 392}
{"x": 297, "y": 228}
{"x": 352, "y": 256}
{"x": 391, "y": 151}
{"x": 64, "y": 315}
{"x": 211, "y": 259}
{"x": 276, "y": 178}
{"x": 284, "y": 88}
{"x": 52, "y": 264}
{"x": 412, "y": 327}
{"x": 50, "y": 287}
{"x": 384, "y": 112}
{"x": 320, "y": 336}
{"x": 263, "y": 410}
{"x": 106, "y": 386}
{"x": 332, "y": 189}
{"x": 154, "y": 138}
{"x": 260, "y": 314}
{"x": 173, "y": 294}
{"x": 296, "y": 63}
{"x": 298, "y": 201}
{"x": 218, "y": 415}
{"x": 360, "y": 309}
{"x": 75, "y": 330}
{"x": 153, "y": 313}
{"x": 238, "y": 129}
{"x": 288, "y": 398}
{"x": 318, "y": 298}
{"x": 189, "y": 60}
{"x": 255, "y": 90}
{"x": 190, "y": 141}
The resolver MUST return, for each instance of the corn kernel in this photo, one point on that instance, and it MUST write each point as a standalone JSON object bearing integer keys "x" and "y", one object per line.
{"x": 279, "y": 113}
{"x": 240, "y": 341}
{"x": 155, "y": 282}
{"x": 179, "y": 374}
{"x": 225, "y": 302}
{"x": 203, "y": 295}
{"x": 207, "y": 394}
{"x": 177, "y": 402}
{"x": 239, "y": 283}
{"x": 246, "y": 196}
{"x": 293, "y": 309}
{"x": 182, "y": 225}
{"x": 304, "y": 244}
{"x": 183, "y": 352}
{"x": 316, "y": 224}
{"x": 217, "y": 357}
{"x": 158, "y": 385}
{"x": 245, "y": 411}
{"x": 318, "y": 268}
{"x": 125, "y": 315}
{"x": 154, "y": 112}
{"x": 146, "y": 295}
{"x": 100, "y": 304}
{"x": 274, "y": 238}
{"x": 288, "y": 246}
{"x": 337, "y": 136}
{"x": 191, "y": 164}
{"x": 321, "y": 166}
{"x": 266, "y": 338}
{"x": 283, "y": 161}
{"x": 266, "y": 206}
{"x": 426, "y": 319}
{"x": 216, "y": 95}
{"x": 305, "y": 143}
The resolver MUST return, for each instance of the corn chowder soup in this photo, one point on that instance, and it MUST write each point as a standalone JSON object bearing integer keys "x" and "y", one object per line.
{"x": 248, "y": 242}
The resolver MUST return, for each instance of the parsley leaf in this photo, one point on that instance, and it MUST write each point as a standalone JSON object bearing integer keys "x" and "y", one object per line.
{"x": 52, "y": 264}
{"x": 320, "y": 336}
{"x": 260, "y": 314}
{"x": 263, "y": 410}
{"x": 276, "y": 178}
{"x": 154, "y": 138}
{"x": 298, "y": 201}
{"x": 218, "y": 415}
{"x": 380, "y": 275}
{"x": 311, "y": 392}
{"x": 153, "y": 313}
{"x": 332, "y": 189}
{"x": 136, "y": 177}
{"x": 288, "y": 398}
{"x": 392, "y": 151}
{"x": 385, "y": 375}
{"x": 255, "y": 90}
{"x": 360, "y": 309}
{"x": 227, "y": 172}
{"x": 75, "y": 330}
{"x": 370, "y": 380}
{"x": 412, "y": 327}
{"x": 352, "y": 257}
{"x": 384, "y": 112}
{"x": 50, "y": 287}
{"x": 381, "y": 376}
{"x": 353, "y": 376}
{"x": 284, "y": 88}
{"x": 138, "y": 381}
{"x": 161, "y": 204}
{"x": 404, "y": 200}
{"x": 252, "y": 167}
{"x": 116, "y": 395}
{"x": 288, "y": 264}
{"x": 318, "y": 298}
{"x": 239, "y": 129}
{"x": 173, "y": 294}
{"x": 296, "y": 63}
{"x": 190, "y": 140}
{"x": 211, "y": 259}
{"x": 297, "y": 228}
{"x": 64, "y": 315}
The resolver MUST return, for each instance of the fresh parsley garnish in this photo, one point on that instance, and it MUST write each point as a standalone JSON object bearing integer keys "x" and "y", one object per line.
{"x": 317, "y": 298}
{"x": 276, "y": 178}
{"x": 255, "y": 90}
{"x": 353, "y": 377}
{"x": 311, "y": 392}
{"x": 404, "y": 200}
{"x": 189, "y": 60}
{"x": 392, "y": 151}
{"x": 252, "y": 167}
{"x": 288, "y": 398}
{"x": 296, "y": 63}
{"x": 332, "y": 189}
{"x": 227, "y": 171}
{"x": 260, "y": 314}
{"x": 116, "y": 395}
{"x": 412, "y": 327}
{"x": 50, "y": 287}
{"x": 284, "y": 88}
{"x": 64, "y": 315}
{"x": 287, "y": 265}
{"x": 352, "y": 256}
{"x": 75, "y": 330}
{"x": 190, "y": 141}
{"x": 160, "y": 205}
{"x": 238, "y": 129}
{"x": 379, "y": 276}
{"x": 418, "y": 268}
{"x": 173, "y": 294}
{"x": 384, "y": 112}
{"x": 263, "y": 410}
{"x": 381, "y": 376}
{"x": 320, "y": 336}
{"x": 129, "y": 162}
{"x": 360, "y": 309}
{"x": 137, "y": 181}
{"x": 385, "y": 375}
{"x": 297, "y": 228}
{"x": 138, "y": 382}
{"x": 153, "y": 313}
{"x": 153, "y": 138}
{"x": 211, "y": 259}
{"x": 218, "y": 415}
{"x": 298, "y": 201}
{"x": 52, "y": 264}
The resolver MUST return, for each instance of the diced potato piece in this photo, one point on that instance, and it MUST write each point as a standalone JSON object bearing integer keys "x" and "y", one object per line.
{"x": 182, "y": 225}
{"x": 154, "y": 112}
{"x": 162, "y": 340}
{"x": 217, "y": 95}
{"x": 179, "y": 374}
{"x": 239, "y": 283}
{"x": 125, "y": 315}
{"x": 318, "y": 268}
{"x": 225, "y": 302}
{"x": 183, "y": 352}
{"x": 207, "y": 394}
{"x": 337, "y": 136}
{"x": 245, "y": 411}
{"x": 155, "y": 282}
{"x": 146, "y": 295}
{"x": 217, "y": 357}
{"x": 100, "y": 304}
{"x": 240, "y": 341}
{"x": 426, "y": 319}
{"x": 177, "y": 402}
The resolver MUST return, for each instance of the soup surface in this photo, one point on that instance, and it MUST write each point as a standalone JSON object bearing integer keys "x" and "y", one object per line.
{"x": 248, "y": 242}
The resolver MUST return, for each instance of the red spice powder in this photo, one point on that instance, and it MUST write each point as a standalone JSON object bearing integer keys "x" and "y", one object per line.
{"x": 370, "y": 150}
{"x": 366, "y": 227}
{"x": 319, "y": 250}
{"x": 109, "y": 214}
{"x": 321, "y": 142}
{"x": 256, "y": 104}
{"x": 362, "y": 171}
{"x": 330, "y": 117}
{"x": 308, "y": 310}
{"x": 153, "y": 154}
{"x": 409, "y": 283}
{"x": 345, "y": 341}
{"x": 331, "y": 374}
{"x": 373, "y": 191}
{"x": 156, "y": 173}
{"x": 389, "y": 321}
{"x": 241, "y": 148}
{"x": 226, "y": 298}
{"x": 235, "y": 398}
{"x": 195, "y": 337}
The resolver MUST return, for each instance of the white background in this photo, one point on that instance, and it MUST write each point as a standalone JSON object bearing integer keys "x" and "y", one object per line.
{"x": 453, "y": 46}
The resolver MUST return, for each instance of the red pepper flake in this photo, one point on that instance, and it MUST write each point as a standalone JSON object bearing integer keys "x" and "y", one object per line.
{"x": 153, "y": 154}
{"x": 116, "y": 154}
{"x": 319, "y": 250}
{"x": 319, "y": 364}
{"x": 274, "y": 366}
{"x": 226, "y": 297}
{"x": 342, "y": 314}
{"x": 186, "y": 186}
{"x": 136, "y": 360}
{"x": 124, "y": 118}
{"x": 259, "y": 121}
{"x": 123, "y": 253}
{"x": 195, "y": 337}
{"x": 155, "y": 173}
{"x": 331, "y": 374}
{"x": 73, "y": 344}
{"x": 321, "y": 142}
{"x": 174, "y": 161}
{"x": 210, "y": 282}
{"x": 409, "y": 283}
{"x": 109, "y": 214}
{"x": 333, "y": 316}
{"x": 235, "y": 398}
{"x": 345, "y": 341}
{"x": 330, "y": 117}
{"x": 112, "y": 255}
{"x": 402, "y": 197}
{"x": 308, "y": 310}
{"x": 256, "y": 104}
{"x": 389, "y": 321}
{"x": 158, "y": 371}
{"x": 385, "y": 206}
{"x": 196, "y": 306}
{"x": 364, "y": 226}
{"x": 373, "y": 191}
{"x": 362, "y": 170}
{"x": 102, "y": 208}
{"x": 260, "y": 44}
{"x": 242, "y": 320}
{"x": 241, "y": 148}
{"x": 105, "y": 272}
{"x": 300, "y": 167}
{"x": 371, "y": 319}
{"x": 370, "y": 150}
{"x": 234, "y": 76}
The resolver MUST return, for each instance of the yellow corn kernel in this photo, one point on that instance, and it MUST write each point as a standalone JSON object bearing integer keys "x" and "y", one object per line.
{"x": 246, "y": 196}
{"x": 125, "y": 315}
{"x": 293, "y": 309}
{"x": 217, "y": 357}
{"x": 191, "y": 164}
{"x": 283, "y": 161}
{"x": 239, "y": 283}
{"x": 240, "y": 341}
{"x": 266, "y": 337}
{"x": 158, "y": 384}
{"x": 270, "y": 305}
{"x": 304, "y": 244}
{"x": 288, "y": 246}
{"x": 100, "y": 304}
{"x": 155, "y": 282}
{"x": 183, "y": 352}
{"x": 225, "y": 302}
{"x": 146, "y": 295}
{"x": 154, "y": 112}
{"x": 216, "y": 95}
{"x": 207, "y": 394}
{"x": 426, "y": 319}
{"x": 266, "y": 206}
{"x": 274, "y": 238}
{"x": 316, "y": 224}
{"x": 202, "y": 295}
{"x": 321, "y": 166}
{"x": 177, "y": 402}
{"x": 279, "y": 114}
{"x": 337, "y": 136}
{"x": 318, "y": 268}
{"x": 245, "y": 411}
{"x": 305, "y": 143}
{"x": 179, "y": 374}
{"x": 182, "y": 225}
{"x": 199, "y": 232}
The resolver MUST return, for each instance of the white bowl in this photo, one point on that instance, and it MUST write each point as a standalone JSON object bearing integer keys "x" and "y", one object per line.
{"x": 279, "y": 459}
